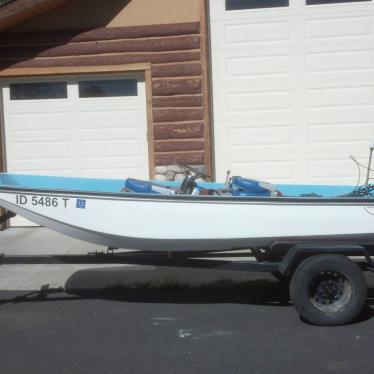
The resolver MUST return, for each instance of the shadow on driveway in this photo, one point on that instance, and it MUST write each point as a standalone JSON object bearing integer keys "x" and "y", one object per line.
{"x": 162, "y": 285}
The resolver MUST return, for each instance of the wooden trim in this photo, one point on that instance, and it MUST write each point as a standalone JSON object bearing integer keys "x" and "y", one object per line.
{"x": 204, "y": 37}
{"x": 67, "y": 70}
{"x": 150, "y": 135}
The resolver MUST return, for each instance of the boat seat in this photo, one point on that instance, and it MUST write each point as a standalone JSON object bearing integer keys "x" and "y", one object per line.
{"x": 251, "y": 187}
{"x": 147, "y": 187}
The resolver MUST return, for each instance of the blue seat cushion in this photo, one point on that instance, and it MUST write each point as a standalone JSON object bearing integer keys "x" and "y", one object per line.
{"x": 140, "y": 186}
{"x": 250, "y": 186}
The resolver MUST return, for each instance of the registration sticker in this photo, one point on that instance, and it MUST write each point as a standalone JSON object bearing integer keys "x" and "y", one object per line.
{"x": 81, "y": 204}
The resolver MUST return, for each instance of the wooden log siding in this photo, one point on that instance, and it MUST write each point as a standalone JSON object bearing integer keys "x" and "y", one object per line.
{"x": 100, "y": 47}
{"x": 181, "y": 158}
{"x": 104, "y": 59}
{"x": 176, "y": 57}
{"x": 105, "y": 33}
{"x": 187, "y": 69}
{"x": 185, "y": 130}
{"x": 181, "y": 145}
{"x": 169, "y": 86}
{"x": 178, "y": 101}
{"x": 177, "y": 114}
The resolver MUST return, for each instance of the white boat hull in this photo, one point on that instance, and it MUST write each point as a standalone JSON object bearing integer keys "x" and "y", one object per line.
{"x": 192, "y": 223}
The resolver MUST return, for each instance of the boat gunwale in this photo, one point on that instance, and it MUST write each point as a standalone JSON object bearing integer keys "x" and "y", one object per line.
{"x": 275, "y": 200}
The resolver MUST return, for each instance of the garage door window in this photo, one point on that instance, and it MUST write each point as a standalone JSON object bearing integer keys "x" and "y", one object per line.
{"x": 108, "y": 88}
{"x": 254, "y": 4}
{"x": 315, "y": 2}
{"x": 38, "y": 91}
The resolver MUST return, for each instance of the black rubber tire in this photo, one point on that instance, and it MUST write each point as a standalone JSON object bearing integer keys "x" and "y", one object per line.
{"x": 308, "y": 273}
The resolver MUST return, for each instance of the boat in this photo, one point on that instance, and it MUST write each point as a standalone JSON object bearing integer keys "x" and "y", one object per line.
{"x": 101, "y": 211}
{"x": 317, "y": 238}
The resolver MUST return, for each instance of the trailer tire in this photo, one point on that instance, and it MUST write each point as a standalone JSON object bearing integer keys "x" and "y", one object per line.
{"x": 328, "y": 290}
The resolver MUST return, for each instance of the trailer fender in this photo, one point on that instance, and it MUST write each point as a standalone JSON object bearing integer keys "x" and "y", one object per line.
{"x": 299, "y": 252}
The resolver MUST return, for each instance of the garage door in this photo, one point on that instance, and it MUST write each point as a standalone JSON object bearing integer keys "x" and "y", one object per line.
{"x": 81, "y": 126}
{"x": 293, "y": 88}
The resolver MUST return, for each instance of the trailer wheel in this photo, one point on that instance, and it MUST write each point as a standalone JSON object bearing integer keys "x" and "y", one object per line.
{"x": 328, "y": 289}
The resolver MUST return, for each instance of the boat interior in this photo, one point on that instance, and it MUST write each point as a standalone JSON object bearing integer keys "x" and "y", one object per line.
{"x": 239, "y": 187}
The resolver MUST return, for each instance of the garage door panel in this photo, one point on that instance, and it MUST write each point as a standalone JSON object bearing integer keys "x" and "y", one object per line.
{"x": 248, "y": 107}
{"x": 109, "y": 149}
{"x": 282, "y": 171}
{"x": 104, "y": 167}
{"x": 53, "y": 150}
{"x": 104, "y": 119}
{"x": 353, "y": 134}
{"x": 38, "y": 121}
{"x": 256, "y": 116}
{"x": 109, "y": 134}
{"x": 255, "y": 139}
{"x": 117, "y": 173}
{"x": 249, "y": 137}
{"x": 341, "y": 97}
{"x": 41, "y": 136}
{"x": 242, "y": 67}
{"x": 348, "y": 61}
{"x": 255, "y": 36}
{"x": 336, "y": 113}
{"x": 337, "y": 169}
{"x": 338, "y": 27}
{"x": 33, "y": 165}
{"x": 219, "y": 13}
{"x": 264, "y": 81}
{"x": 262, "y": 32}
{"x": 259, "y": 101}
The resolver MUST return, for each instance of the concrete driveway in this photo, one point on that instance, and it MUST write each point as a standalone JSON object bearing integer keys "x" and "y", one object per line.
{"x": 38, "y": 240}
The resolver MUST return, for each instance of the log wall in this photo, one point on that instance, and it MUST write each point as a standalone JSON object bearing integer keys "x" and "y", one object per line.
{"x": 175, "y": 52}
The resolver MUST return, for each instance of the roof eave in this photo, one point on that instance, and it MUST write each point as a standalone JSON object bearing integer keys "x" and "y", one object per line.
{"x": 19, "y": 11}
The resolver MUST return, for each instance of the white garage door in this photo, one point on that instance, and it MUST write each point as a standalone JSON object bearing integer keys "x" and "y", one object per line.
{"x": 293, "y": 88}
{"x": 81, "y": 126}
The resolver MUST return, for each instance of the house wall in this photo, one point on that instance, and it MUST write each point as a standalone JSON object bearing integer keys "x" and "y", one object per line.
{"x": 81, "y": 14}
{"x": 166, "y": 33}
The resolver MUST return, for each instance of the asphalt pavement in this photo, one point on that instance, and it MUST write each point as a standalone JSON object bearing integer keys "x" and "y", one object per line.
{"x": 129, "y": 319}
